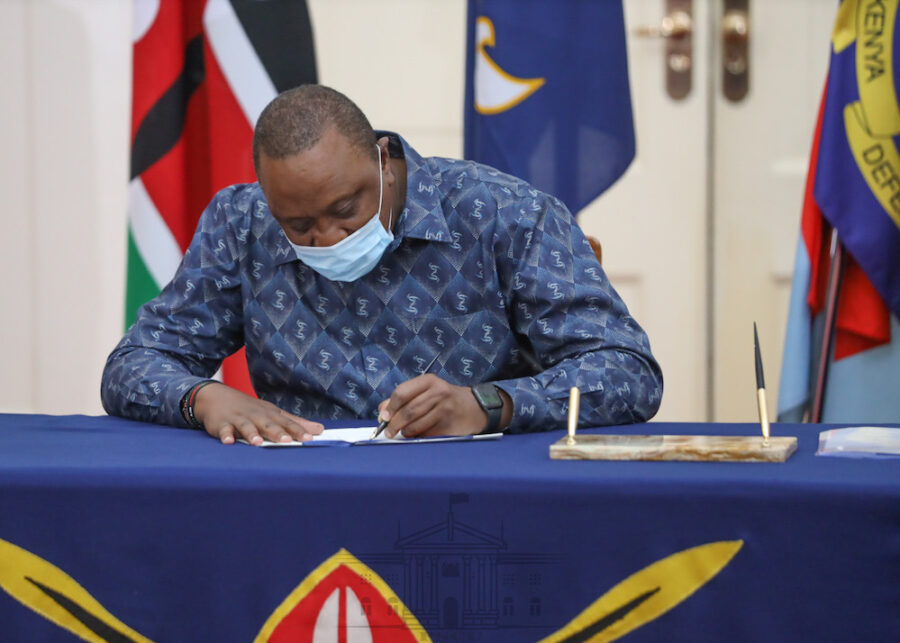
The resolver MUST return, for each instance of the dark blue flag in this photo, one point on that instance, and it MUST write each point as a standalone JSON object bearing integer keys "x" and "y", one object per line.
{"x": 547, "y": 94}
{"x": 858, "y": 181}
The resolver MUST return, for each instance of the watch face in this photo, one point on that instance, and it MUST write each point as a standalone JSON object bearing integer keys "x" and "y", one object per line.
{"x": 488, "y": 396}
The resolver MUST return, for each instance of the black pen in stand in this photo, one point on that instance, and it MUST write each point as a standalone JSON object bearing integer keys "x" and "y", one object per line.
{"x": 761, "y": 390}
{"x": 383, "y": 424}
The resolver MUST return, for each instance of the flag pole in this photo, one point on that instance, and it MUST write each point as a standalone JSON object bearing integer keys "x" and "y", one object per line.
{"x": 835, "y": 277}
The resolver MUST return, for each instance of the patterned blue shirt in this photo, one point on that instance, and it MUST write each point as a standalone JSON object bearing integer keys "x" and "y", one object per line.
{"x": 488, "y": 274}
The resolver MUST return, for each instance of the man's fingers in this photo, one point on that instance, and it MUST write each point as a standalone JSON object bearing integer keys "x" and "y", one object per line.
{"x": 423, "y": 424}
{"x": 409, "y": 390}
{"x": 297, "y": 432}
{"x": 299, "y": 428}
{"x": 247, "y": 429}
{"x": 407, "y": 418}
{"x": 311, "y": 428}
{"x": 274, "y": 432}
{"x": 226, "y": 434}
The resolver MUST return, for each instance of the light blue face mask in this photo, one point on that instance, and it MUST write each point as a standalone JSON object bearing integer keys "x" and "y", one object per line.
{"x": 357, "y": 254}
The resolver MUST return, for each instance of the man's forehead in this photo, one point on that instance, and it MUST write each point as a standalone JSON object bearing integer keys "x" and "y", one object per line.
{"x": 328, "y": 156}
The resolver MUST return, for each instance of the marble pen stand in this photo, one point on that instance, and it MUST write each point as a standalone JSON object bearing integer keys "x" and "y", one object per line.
{"x": 707, "y": 448}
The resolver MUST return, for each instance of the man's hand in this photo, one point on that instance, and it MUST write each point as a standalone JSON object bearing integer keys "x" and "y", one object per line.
{"x": 427, "y": 405}
{"x": 228, "y": 414}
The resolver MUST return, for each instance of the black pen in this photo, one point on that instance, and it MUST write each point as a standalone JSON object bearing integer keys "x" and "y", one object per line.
{"x": 761, "y": 390}
{"x": 383, "y": 424}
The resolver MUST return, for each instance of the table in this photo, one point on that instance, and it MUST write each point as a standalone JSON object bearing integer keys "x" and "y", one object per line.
{"x": 183, "y": 539}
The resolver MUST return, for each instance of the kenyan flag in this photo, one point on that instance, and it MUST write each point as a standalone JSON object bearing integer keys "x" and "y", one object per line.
{"x": 203, "y": 72}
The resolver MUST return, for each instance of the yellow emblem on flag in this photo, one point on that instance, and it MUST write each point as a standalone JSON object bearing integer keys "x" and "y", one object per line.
{"x": 56, "y": 596}
{"x": 648, "y": 594}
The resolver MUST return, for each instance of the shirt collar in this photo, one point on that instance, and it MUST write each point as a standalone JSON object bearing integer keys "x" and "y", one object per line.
{"x": 423, "y": 215}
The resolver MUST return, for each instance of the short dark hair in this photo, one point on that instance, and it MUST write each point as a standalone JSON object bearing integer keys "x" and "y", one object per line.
{"x": 296, "y": 119}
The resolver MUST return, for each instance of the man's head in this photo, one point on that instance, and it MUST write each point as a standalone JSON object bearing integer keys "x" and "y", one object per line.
{"x": 321, "y": 168}
{"x": 296, "y": 120}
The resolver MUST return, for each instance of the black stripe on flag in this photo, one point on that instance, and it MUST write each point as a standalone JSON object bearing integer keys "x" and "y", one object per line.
{"x": 93, "y": 623}
{"x": 281, "y": 35}
{"x": 616, "y": 615}
{"x": 162, "y": 126}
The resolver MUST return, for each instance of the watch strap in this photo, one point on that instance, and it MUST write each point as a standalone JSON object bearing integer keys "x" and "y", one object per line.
{"x": 483, "y": 393}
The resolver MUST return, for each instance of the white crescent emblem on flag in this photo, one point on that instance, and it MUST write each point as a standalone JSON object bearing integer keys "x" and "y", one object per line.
{"x": 495, "y": 90}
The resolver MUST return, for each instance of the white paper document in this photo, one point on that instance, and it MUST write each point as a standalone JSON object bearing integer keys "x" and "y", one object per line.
{"x": 363, "y": 435}
{"x": 860, "y": 442}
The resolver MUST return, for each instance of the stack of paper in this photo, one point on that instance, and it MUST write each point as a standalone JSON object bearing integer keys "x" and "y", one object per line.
{"x": 860, "y": 441}
{"x": 363, "y": 435}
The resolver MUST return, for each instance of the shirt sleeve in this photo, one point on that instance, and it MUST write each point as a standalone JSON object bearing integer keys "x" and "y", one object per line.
{"x": 181, "y": 336}
{"x": 577, "y": 327}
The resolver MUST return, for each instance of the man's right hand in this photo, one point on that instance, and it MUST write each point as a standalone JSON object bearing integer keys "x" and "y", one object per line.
{"x": 228, "y": 414}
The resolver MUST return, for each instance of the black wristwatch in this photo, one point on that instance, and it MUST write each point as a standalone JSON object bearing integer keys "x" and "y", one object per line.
{"x": 488, "y": 397}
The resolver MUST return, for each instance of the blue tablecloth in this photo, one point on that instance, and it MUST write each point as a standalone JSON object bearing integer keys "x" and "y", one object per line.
{"x": 184, "y": 539}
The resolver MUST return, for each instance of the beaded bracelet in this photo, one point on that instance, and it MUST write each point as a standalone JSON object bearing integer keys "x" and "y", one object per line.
{"x": 187, "y": 404}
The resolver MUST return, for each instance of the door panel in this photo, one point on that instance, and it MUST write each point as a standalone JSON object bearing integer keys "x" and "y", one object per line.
{"x": 652, "y": 222}
{"x": 761, "y": 154}
{"x": 699, "y": 235}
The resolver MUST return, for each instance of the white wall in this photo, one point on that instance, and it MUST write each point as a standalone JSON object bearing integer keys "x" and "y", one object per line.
{"x": 65, "y": 70}
{"x": 401, "y": 61}
{"x": 65, "y": 74}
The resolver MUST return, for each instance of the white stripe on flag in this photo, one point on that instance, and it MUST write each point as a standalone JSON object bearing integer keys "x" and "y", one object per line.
{"x": 246, "y": 75}
{"x": 154, "y": 240}
{"x": 145, "y": 12}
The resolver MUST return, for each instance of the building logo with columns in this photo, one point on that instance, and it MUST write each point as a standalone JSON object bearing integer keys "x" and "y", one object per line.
{"x": 454, "y": 576}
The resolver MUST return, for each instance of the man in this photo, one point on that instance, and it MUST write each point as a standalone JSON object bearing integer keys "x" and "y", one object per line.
{"x": 352, "y": 268}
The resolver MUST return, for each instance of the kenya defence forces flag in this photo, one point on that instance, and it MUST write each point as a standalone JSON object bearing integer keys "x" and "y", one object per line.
{"x": 203, "y": 72}
{"x": 853, "y": 186}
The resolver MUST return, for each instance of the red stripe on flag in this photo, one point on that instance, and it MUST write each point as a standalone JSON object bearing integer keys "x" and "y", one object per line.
{"x": 236, "y": 374}
{"x": 173, "y": 179}
{"x": 157, "y": 62}
{"x": 813, "y": 224}
{"x": 159, "y": 55}
{"x": 863, "y": 319}
{"x": 342, "y": 615}
{"x": 228, "y": 159}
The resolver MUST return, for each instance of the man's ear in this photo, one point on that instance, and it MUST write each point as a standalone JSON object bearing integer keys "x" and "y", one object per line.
{"x": 385, "y": 159}
{"x": 382, "y": 144}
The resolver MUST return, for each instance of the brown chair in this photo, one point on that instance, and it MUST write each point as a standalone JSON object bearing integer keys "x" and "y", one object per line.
{"x": 595, "y": 246}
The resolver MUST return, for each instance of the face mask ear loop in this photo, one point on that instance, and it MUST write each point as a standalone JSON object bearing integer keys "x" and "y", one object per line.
{"x": 381, "y": 191}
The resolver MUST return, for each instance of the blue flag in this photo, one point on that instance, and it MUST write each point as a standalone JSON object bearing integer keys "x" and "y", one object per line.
{"x": 858, "y": 181}
{"x": 547, "y": 94}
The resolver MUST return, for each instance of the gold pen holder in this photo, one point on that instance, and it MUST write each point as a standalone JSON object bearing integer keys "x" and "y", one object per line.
{"x": 763, "y": 415}
{"x": 574, "y": 407}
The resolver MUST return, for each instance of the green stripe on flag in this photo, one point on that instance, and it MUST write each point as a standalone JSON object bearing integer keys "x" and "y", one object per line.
{"x": 140, "y": 286}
